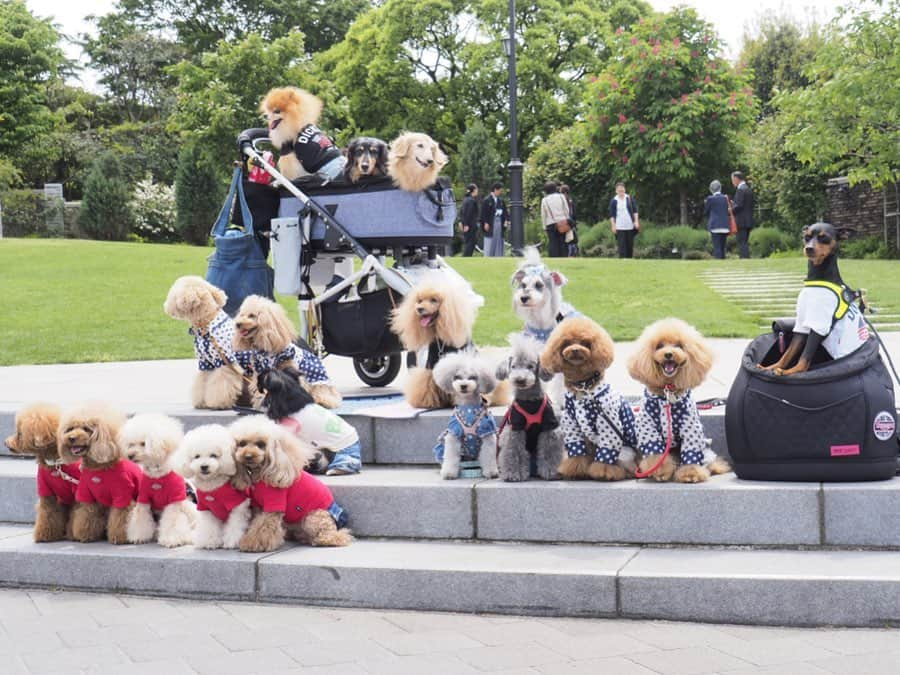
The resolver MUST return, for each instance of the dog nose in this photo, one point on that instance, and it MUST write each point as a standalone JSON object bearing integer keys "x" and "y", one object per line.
{"x": 519, "y": 381}
{"x": 72, "y": 438}
{"x": 464, "y": 387}
{"x": 668, "y": 355}
{"x": 364, "y": 167}
{"x": 204, "y": 468}
{"x": 525, "y": 297}
{"x": 420, "y": 310}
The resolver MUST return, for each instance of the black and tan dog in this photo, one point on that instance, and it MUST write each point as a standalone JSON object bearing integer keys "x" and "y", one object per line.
{"x": 366, "y": 156}
{"x": 827, "y": 313}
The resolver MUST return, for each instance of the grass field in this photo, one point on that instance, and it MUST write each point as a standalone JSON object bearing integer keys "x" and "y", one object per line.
{"x": 71, "y": 301}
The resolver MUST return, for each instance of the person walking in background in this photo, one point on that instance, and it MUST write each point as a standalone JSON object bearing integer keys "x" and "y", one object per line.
{"x": 554, "y": 210}
{"x": 570, "y": 238}
{"x": 743, "y": 212}
{"x": 715, "y": 209}
{"x": 468, "y": 220}
{"x": 623, "y": 216}
{"x": 494, "y": 220}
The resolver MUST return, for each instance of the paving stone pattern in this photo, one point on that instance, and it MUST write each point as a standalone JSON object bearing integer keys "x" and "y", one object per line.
{"x": 66, "y": 632}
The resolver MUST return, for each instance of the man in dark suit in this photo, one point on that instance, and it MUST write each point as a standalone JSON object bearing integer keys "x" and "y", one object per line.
{"x": 468, "y": 220}
{"x": 494, "y": 221}
{"x": 743, "y": 212}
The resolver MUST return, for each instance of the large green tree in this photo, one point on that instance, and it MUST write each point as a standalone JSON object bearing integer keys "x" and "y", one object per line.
{"x": 666, "y": 113}
{"x": 847, "y": 121}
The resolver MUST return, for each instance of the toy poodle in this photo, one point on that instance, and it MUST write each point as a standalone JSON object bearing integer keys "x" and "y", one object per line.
{"x": 206, "y": 456}
{"x": 438, "y": 313}
{"x": 414, "y": 161}
{"x": 150, "y": 440}
{"x": 333, "y": 442}
{"x": 263, "y": 326}
{"x": 286, "y": 499}
{"x": 36, "y": 427}
{"x": 531, "y": 443}
{"x": 291, "y": 115}
{"x": 472, "y": 432}
{"x": 109, "y": 483}
{"x": 222, "y": 380}
{"x": 597, "y": 423}
{"x": 672, "y": 358}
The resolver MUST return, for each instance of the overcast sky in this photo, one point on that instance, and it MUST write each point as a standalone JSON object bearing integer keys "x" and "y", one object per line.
{"x": 730, "y": 18}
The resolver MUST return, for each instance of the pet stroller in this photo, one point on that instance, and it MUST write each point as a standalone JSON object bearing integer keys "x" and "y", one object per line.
{"x": 330, "y": 244}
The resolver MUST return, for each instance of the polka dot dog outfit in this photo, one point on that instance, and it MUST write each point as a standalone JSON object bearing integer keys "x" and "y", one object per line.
{"x": 583, "y": 423}
{"x": 470, "y": 424}
{"x": 687, "y": 430}
{"x": 309, "y": 365}
{"x": 216, "y": 340}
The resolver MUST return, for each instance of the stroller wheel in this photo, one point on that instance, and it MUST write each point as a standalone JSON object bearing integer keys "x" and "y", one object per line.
{"x": 377, "y": 371}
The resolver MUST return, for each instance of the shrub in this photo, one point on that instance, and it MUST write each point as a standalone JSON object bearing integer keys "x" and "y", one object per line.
{"x": 153, "y": 205}
{"x": 105, "y": 210}
{"x": 198, "y": 194}
{"x": 871, "y": 248}
{"x": 764, "y": 241}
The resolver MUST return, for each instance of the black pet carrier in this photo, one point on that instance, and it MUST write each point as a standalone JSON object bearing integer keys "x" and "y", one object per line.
{"x": 835, "y": 422}
{"x": 360, "y": 327}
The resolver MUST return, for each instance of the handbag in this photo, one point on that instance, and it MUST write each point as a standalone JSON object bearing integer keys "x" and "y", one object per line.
{"x": 238, "y": 265}
{"x": 732, "y": 222}
{"x": 563, "y": 226}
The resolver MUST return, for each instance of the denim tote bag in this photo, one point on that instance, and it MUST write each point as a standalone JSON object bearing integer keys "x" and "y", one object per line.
{"x": 238, "y": 265}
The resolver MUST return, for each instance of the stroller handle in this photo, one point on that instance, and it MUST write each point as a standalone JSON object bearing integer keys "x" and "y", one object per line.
{"x": 248, "y": 137}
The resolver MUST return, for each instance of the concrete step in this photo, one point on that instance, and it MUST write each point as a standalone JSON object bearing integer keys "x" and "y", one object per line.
{"x": 414, "y": 502}
{"x": 387, "y": 440}
{"x": 852, "y": 588}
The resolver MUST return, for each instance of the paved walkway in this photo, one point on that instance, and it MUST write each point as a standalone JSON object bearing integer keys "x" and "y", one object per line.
{"x": 46, "y": 632}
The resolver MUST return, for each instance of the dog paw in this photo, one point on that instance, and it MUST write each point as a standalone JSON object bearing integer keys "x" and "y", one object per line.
{"x": 574, "y": 468}
{"x": 718, "y": 466}
{"x": 610, "y": 472}
{"x": 691, "y": 473}
{"x": 449, "y": 474}
{"x": 664, "y": 473}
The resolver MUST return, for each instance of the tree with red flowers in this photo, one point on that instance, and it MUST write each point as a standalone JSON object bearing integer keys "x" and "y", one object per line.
{"x": 667, "y": 113}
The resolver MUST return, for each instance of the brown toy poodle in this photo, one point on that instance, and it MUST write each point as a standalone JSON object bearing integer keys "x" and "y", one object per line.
{"x": 672, "y": 358}
{"x": 36, "y": 427}
{"x": 597, "y": 422}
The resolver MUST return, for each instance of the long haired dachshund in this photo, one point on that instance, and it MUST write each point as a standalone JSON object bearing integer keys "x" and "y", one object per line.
{"x": 366, "y": 156}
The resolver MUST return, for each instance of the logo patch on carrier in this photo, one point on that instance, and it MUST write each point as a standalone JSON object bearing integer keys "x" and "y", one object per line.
{"x": 844, "y": 450}
{"x": 884, "y": 426}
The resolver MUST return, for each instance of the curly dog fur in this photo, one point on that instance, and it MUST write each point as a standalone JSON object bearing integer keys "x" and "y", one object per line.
{"x": 264, "y": 326}
{"x": 414, "y": 161}
{"x": 89, "y": 433}
{"x": 35, "y": 434}
{"x": 673, "y": 357}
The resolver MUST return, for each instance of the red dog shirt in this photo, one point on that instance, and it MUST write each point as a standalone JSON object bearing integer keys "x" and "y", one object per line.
{"x": 306, "y": 494}
{"x": 51, "y": 484}
{"x": 221, "y": 501}
{"x": 116, "y": 486}
{"x": 160, "y": 492}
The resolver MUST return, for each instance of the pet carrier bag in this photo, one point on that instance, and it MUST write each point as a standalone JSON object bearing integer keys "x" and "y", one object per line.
{"x": 834, "y": 422}
{"x": 238, "y": 265}
{"x": 360, "y": 327}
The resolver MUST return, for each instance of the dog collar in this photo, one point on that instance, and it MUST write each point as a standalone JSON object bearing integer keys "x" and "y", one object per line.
{"x": 588, "y": 384}
{"x": 57, "y": 465}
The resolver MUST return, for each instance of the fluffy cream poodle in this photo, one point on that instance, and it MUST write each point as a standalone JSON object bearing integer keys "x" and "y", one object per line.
{"x": 108, "y": 485}
{"x": 150, "y": 440}
{"x": 264, "y": 327}
{"x": 671, "y": 359}
{"x": 286, "y": 499}
{"x": 220, "y": 382}
{"x": 206, "y": 456}
{"x": 414, "y": 161}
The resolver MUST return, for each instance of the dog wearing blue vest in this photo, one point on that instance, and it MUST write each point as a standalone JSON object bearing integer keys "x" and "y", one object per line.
{"x": 827, "y": 314}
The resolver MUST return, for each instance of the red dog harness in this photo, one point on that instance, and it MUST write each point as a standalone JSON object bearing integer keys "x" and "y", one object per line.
{"x": 531, "y": 419}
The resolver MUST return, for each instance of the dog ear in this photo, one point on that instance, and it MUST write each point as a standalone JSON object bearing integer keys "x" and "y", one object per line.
{"x": 551, "y": 356}
{"x": 544, "y": 374}
{"x": 602, "y": 349}
{"x": 456, "y": 317}
{"x": 517, "y": 278}
{"x": 641, "y": 365}
{"x": 43, "y": 429}
{"x": 218, "y": 296}
{"x": 382, "y": 157}
{"x": 699, "y": 362}
{"x": 440, "y": 159}
{"x": 400, "y": 146}
{"x": 486, "y": 381}
{"x": 181, "y": 461}
{"x": 503, "y": 369}
{"x": 275, "y": 328}
{"x": 558, "y": 279}
{"x": 405, "y": 323}
{"x": 104, "y": 448}
{"x": 278, "y": 470}
{"x": 444, "y": 371}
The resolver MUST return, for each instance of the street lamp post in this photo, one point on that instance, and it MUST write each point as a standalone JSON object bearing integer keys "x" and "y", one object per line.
{"x": 517, "y": 229}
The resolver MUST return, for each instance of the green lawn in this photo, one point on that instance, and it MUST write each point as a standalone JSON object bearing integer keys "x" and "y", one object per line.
{"x": 68, "y": 301}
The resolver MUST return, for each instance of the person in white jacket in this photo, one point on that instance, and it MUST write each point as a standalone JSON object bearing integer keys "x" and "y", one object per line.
{"x": 554, "y": 209}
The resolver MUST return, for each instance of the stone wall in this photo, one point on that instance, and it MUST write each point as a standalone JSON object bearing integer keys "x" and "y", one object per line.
{"x": 858, "y": 207}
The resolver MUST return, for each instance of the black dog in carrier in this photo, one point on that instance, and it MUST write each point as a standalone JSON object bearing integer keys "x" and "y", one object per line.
{"x": 834, "y": 422}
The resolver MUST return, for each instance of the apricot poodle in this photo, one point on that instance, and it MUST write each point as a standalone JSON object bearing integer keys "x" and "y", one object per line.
{"x": 671, "y": 359}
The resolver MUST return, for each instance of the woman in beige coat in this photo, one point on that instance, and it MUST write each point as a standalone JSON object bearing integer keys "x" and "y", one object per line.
{"x": 554, "y": 208}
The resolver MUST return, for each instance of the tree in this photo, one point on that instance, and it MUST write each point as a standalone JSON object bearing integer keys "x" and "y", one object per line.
{"x": 198, "y": 194}
{"x": 32, "y": 59}
{"x": 105, "y": 212}
{"x": 847, "y": 121}
{"x": 668, "y": 110}
{"x": 478, "y": 161}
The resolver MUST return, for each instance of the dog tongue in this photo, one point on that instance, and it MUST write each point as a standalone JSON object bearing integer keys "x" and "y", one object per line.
{"x": 425, "y": 321}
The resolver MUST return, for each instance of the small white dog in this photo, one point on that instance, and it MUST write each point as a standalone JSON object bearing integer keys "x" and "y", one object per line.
{"x": 150, "y": 441}
{"x": 472, "y": 431}
{"x": 206, "y": 455}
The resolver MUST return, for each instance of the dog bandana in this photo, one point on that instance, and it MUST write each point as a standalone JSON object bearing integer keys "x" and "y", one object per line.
{"x": 309, "y": 365}
{"x": 470, "y": 424}
{"x": 305, "y": 495}
{"x": 59, "y": 480}
{"x": 115, "y": 487}
{"x": 584, "y": 422}
{"x": 160, "y": 492}
{"x": 543, "y": 334}
{"x": 221, "y": 501}
{"x": 687, "y": 430}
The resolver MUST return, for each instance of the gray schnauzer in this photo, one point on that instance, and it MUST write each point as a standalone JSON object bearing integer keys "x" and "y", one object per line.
{"x": 531, "y": 443}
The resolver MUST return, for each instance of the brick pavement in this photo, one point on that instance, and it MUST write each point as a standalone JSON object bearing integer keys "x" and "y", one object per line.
{"x": 65, "y": 632}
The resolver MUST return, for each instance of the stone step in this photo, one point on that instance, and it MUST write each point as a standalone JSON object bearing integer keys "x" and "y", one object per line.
{"x": 414, "y": 502}
{"x": 389, "y": 440}
{"x": 851, "y": 588}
